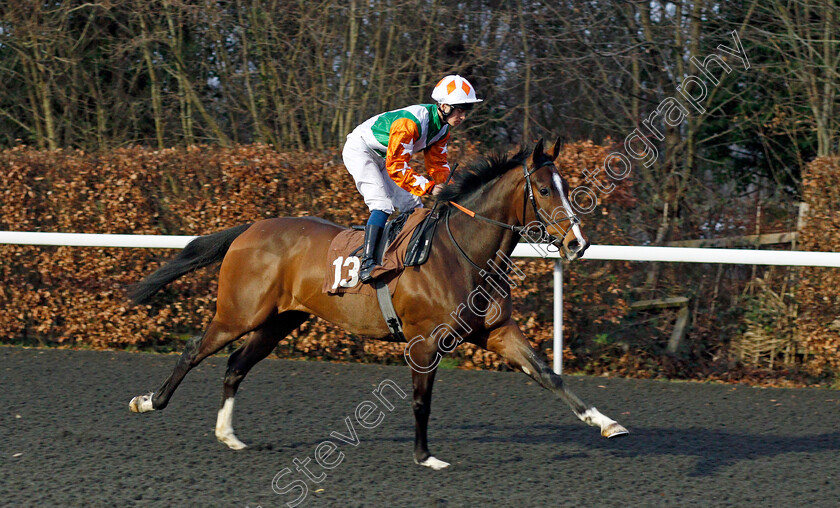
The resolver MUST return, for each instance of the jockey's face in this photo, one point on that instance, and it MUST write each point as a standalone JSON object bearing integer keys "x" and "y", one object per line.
{"x": 456, "y": 117}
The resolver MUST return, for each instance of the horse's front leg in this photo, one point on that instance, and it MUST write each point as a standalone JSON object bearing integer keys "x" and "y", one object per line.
{"x": 509, "y": 342}
{"x": 422, "y": 405}
{"x": 421, "y": 356}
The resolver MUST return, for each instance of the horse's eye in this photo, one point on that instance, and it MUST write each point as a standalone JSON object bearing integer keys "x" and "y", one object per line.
{"x": 544, "y": 191}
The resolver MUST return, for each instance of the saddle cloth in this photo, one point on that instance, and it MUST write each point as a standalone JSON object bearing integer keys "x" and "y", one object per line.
{"x": 344, "y": 259}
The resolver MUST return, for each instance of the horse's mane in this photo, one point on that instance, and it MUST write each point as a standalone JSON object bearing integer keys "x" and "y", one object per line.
{"x": 469, "y": 181}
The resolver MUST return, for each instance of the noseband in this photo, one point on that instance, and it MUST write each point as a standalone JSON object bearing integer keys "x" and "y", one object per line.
{"x": 520, "y": 230}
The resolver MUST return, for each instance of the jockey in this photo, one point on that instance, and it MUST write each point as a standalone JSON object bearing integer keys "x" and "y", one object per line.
{"x": 377, "y": 153}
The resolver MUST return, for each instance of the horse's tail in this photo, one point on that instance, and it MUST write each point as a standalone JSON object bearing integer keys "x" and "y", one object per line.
{"x": 200, "y": 252}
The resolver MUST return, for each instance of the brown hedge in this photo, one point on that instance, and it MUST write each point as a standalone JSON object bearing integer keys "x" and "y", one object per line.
{"x": 818, "y": 295}
{"x": 75, "y": 295}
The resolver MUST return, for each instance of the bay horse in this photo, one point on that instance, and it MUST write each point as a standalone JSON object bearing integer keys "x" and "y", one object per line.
{"x": 273, "y": 271}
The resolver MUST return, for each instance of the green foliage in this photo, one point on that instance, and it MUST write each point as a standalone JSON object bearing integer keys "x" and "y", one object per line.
{"x": 449, "y": 363}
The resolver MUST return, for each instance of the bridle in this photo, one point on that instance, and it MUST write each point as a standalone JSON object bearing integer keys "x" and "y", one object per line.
{"x": 519, "y": 230}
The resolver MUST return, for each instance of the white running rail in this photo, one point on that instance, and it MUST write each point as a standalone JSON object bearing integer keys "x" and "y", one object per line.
{"x": 668, "y": 254}
{"x": 524, "y": 250}
{"x": 90, "y": 240}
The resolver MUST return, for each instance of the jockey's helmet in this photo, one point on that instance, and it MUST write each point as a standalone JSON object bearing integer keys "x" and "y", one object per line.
{"x": 455, "y": 91}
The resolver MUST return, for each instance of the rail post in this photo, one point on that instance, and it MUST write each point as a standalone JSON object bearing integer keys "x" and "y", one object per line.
{"x": 558, "y": 316}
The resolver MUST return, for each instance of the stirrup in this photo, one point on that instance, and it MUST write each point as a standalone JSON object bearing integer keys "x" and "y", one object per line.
{"x": 368, "y": 264}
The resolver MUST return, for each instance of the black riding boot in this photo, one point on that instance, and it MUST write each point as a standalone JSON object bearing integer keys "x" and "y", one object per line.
{"x": 372, "y": 234}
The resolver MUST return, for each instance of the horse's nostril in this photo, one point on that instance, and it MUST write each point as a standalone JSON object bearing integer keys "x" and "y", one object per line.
{"x": 574, "y": 245}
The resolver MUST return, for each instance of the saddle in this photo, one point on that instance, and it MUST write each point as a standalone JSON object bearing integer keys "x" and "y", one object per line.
{"x": 421, "y": 240}
{"x": 405, "y": 241}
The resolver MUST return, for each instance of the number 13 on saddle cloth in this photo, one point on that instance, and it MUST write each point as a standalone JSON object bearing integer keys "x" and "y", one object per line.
{"x": 343, "y": 261}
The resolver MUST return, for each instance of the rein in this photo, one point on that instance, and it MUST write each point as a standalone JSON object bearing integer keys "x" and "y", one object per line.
{"x": 520, "y": 230}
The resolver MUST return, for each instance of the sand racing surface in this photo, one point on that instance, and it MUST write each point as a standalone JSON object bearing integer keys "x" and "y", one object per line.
{"x": 70, "y": 440}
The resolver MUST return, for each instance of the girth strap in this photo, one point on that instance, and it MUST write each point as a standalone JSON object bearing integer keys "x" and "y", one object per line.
{"x": 388, "y": 311}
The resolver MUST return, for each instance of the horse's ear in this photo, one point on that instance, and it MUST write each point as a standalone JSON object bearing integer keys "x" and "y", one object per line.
{"x": 558, "y": 145}
{"x": 538, "y": 152}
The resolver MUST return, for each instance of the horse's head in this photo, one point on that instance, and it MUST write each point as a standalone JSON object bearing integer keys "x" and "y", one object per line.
{"x": 546, "y": 203}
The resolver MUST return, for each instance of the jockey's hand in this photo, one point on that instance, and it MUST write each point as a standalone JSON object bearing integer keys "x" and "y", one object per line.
{"x": 436, "y": 189}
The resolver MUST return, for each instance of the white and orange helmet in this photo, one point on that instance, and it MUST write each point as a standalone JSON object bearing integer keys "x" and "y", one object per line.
{"x": 454, "y": 90}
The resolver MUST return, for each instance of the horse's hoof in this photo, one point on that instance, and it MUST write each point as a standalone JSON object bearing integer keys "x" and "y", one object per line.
{"x": 231, "y": 441}
{"x": 614, "y": 430}
{"x": 141, "y": 403}
{"x": 433, "y": 463}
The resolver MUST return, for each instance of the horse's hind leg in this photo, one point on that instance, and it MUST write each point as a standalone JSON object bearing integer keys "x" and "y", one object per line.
{"x": 509, "y": 342}
{"x": 258, "y": 345}
{"x": 215, "y": 338}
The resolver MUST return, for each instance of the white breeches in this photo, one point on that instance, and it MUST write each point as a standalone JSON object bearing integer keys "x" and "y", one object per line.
{"x": 373, "y": 182}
